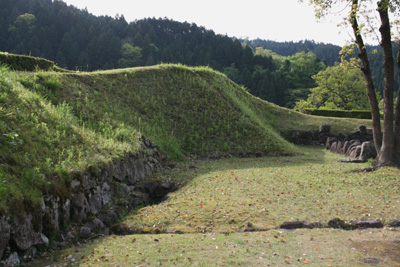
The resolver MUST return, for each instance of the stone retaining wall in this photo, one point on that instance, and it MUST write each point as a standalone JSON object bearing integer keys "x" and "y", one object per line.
{"x": 358, "y": 145}
{"x": 95, "y": 197}
{"x": 99, "y": 193}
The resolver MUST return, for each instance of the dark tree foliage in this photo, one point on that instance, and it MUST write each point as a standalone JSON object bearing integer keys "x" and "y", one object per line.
{"x": 376, "y": 59}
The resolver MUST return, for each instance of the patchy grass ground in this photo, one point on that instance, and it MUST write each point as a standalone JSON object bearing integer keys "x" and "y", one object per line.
{"x": 219, "y": 198}
{"x": 224, "y": 196}
{"x": 318, "y": 247}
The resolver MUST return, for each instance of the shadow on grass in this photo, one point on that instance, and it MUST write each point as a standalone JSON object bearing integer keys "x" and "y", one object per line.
{"x": 187, "y": 171}
{"x": 313, "y": 185}
{"x": 228, "y": 195}
{"x": 379, "y": 252}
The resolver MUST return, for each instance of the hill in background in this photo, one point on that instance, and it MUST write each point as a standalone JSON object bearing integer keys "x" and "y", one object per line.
{"x": 78, "y": 40}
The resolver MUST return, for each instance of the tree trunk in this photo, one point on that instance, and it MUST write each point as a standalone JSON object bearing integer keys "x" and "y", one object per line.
{"x": 366, "y": 70}
{"x": 397, "y": 118}
{"x": 386, "y": 155}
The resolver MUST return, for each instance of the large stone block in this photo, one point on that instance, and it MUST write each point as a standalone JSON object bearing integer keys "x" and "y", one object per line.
{"x": 23, "y": 233}
{"x": 80, "y": 207}
{"x": 368, "y": 151}
{"x": 325, "y": 128}
{"x": 4, "y": 234}
{"x": 51, "y": 216}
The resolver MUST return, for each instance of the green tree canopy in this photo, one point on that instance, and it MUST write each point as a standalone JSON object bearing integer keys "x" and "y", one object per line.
{"x": 131, "y": 56}
{"x": 301, "y": 69}
{"x": 23, "y": 22}
{"x": 339, "y": 87}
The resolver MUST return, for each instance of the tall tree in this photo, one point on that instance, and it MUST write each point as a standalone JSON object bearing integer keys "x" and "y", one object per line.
{"x": 387, "y": 142}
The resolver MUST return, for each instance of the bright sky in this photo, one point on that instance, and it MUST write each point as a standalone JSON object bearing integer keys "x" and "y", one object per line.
{"x": 276, "y": 20}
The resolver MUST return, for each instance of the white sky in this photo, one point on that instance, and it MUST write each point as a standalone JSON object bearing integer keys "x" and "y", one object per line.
{"x": 277, "y": 20}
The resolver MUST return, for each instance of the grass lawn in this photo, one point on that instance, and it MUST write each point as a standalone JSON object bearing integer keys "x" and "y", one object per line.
{"x": 219, "y": 198}
{"x": 318, "y": 247}
{"x": 224, "y": 196}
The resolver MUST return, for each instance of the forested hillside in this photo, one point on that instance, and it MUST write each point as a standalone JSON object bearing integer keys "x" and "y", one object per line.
{"x": 77, "y": 40}
{"x": 327, "y": 53}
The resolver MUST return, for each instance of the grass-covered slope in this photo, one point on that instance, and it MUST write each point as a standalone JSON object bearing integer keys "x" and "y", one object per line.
{"x": 27, "y": 63}
{"x": 41, "y": 144}
{"x": 54, "y": 124}
{"x": 286, "y": 120}
{"x": 184, "y": 110}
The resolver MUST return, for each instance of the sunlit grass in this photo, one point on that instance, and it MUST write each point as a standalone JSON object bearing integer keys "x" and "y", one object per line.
{"x": 42, "y": 142}
{"x": 317, "y": 247}
{"x": 225, "y": 195}
{"x": 219, "y": 198}
{"x": 53, "y": 124}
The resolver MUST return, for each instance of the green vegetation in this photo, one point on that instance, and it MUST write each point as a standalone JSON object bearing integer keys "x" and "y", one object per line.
{"x": 220, "y": 197}
{"x": 42, "y": 144}
{"x": 224, "y": 196}
{"x": 90, "y": 43}
{"x": 285, "y": 120}
{"x": 329, "y": 54}
{"x": 26, "y": 63}
{"x": 340, "y": 87}
{"x": 322, "y": 247}
{"x": 386, "y": 134}
{"x": 56, "y": 124}
{"x": 289, "y": 81}
{"x": 184, "y": 110}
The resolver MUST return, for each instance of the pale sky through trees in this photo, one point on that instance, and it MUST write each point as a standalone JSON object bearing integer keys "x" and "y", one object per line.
{"x": 277, "y": 20}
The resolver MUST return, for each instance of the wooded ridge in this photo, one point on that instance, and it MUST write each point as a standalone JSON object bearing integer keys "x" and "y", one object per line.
{"x": 78, "y": 40}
